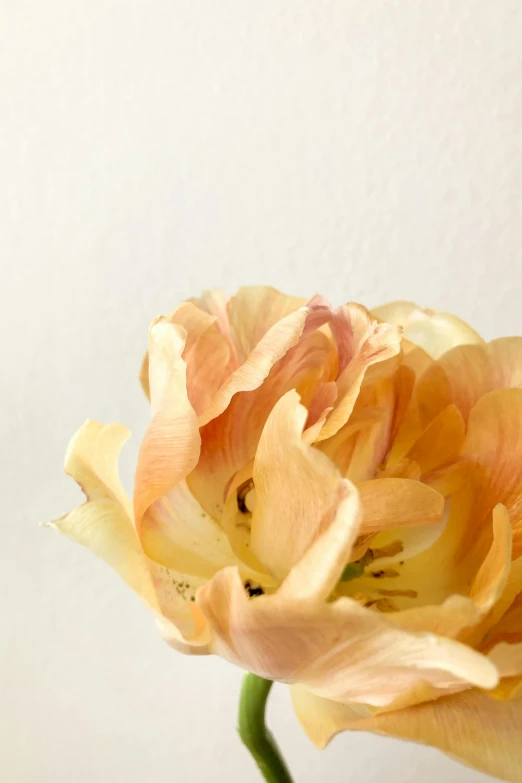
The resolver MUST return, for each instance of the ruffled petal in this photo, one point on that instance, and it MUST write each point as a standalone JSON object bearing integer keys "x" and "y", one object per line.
{"x": 253, "y": 310}
{"x": 433, "y": 331}
{"x": 274, "y": 344}
{"x": 170, "y": 448}
{"x": 362, "y": 344}
{"x": 297, "y": 489}
{"x": 468, "y": 726}
{"x": 338, "y": 649}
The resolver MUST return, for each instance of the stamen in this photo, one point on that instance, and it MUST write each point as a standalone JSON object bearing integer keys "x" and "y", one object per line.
{"x": 394, "y": 548}
{"x": 399, "y": 593}
{"x": 253, "y": 590}
{"x": 385, "y": 605}
{"x": 242, "y": 492}
{"x": 384, "y": 573}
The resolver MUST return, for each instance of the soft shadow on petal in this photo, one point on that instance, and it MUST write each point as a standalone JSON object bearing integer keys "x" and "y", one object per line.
{"x": 468, "y": 726}
{"x": 253, "y": 310}
{"x": 493, "y": 446}
{"x": 297, "y": 489}
{"x": 339, "y": 649}
{"x": 431, "y": 330}
{"x": 170, "y": 448}
{"x": 251, "y": 374}
{"x": 398, "y": 502}
{"x": 371, "y": 344}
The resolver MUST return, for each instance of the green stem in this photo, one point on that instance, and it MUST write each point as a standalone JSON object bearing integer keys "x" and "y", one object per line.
{"x": 254, "y": 733}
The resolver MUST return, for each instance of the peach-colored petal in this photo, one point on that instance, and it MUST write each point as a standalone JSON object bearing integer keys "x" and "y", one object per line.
{"x": 492, "y": 577}
{"x": 395, "y": 502}
{"x": 467, "y": 726}
{"x": 318, "y": 571}
{"x": 272, "y": 347}
{"x": 467, "y": 373}
{"x": 371, "y": 344}
{"x": 297, "y": 489}
{"x": 339, "y": 649}
{"x": 433, "y": 331}
{"x": 253, "y": 310}
{"x": 507, "y": 658}
{"x": 440, "y": 442}
{"x": 493, "y": 447}
{"x": 171, "y": 445}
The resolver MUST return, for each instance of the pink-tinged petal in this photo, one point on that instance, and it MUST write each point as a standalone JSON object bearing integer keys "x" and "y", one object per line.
{"x": 206, "y": 353}
{"x": 171, "y": 445}
{"x": 468, "y": 726}
{"x": 338, "y": 649}
{"x": 319, "y": 570}
{"x": 256, "y": 309}
{"x": 370, "y": 344}
{"x": 297, "y": 489}
{"x": 251, "y": 374}
{"x": 431, "y": 330}
{"x": 396, "y": 502}
{"x": 215, "y": 303}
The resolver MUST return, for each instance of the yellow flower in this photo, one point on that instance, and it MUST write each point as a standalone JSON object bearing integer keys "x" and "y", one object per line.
{"x": 332, "y": 499}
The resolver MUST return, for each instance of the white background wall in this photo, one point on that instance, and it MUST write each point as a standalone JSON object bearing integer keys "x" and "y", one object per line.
{"x": 369, "y": 149}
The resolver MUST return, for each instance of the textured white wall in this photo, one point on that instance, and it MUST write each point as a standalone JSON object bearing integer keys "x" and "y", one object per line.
{"x": 370, "y": 149}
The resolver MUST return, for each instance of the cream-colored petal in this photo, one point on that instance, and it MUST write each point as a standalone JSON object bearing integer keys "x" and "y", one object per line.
{"x": 171, "y": 445}
{"x": 103, "y": 526}
{"x": 178, "y": 534}
{"x": 507, "y": 658}
{"x": 395, "y": 502}
{"x": 92, "y": 461}
{"x": 297, "y": 489}
{"x": 339, "y": 649}
{"x": 468, "y": 726}
{"x": 433, "y": 331}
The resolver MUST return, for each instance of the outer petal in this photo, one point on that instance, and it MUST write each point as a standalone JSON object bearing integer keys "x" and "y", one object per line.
{"x": 431, "y": 330}
{"x": 170, "y": 448}
{"x": 297, "y": 489}
{"x": 104, "y": 525}
{"x": 468, "y": 726}
{"x": 339, "y": 649}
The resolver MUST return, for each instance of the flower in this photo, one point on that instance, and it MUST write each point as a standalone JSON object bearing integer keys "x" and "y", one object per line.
{"x": 331, "y": 498}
